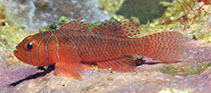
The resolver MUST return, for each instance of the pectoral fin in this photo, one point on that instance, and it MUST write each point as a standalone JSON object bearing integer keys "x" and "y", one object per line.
{"x": 70, "y": 69}
{"x": 70, "y": 63}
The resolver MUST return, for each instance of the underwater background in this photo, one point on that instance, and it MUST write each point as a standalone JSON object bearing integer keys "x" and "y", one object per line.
{"x": 20, "y": 18}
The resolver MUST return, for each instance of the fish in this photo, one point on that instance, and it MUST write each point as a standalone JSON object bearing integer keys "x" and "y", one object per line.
{"x": 76, "y": 45}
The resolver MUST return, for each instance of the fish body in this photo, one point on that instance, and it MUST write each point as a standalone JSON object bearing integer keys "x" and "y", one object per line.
{"x": 76, "y": 45}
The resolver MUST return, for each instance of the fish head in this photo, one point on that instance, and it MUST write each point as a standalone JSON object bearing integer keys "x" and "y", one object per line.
{"x": 30, "y": 51}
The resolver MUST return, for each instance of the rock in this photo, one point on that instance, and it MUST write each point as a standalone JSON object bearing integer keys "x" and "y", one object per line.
{"x": 35, "y": 14}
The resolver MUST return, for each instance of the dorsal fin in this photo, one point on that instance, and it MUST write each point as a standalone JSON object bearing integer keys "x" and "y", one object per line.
{"x": 75, "y": 25}
{"x": 113, "y": 27}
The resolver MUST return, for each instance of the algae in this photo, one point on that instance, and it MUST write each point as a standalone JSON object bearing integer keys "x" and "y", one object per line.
{"x": 173, "y": 90}
{"x": 110, "y": 6}
{"x": 181, "y": 16}
{"x": 55, "y": 25}
{"x": 175, "y": 17}
{"x": 175, "y": 11}
{"x": 144, "y": 10}
{"x": 10, "y": 33}
{"x": 184, "y": 70}
{"x": 188, "y": 16}
{"x": 64, "y": 20}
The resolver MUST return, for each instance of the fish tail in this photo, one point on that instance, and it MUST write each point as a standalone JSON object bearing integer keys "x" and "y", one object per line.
{"x": 167, "y": 46}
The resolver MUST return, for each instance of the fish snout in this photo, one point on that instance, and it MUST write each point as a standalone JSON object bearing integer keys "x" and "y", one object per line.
{"x": 17, "y": 47}
{"x": 15, "y": 52}
{"x": 18, "y": 55}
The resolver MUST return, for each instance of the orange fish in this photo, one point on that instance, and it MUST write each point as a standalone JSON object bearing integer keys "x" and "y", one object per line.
{"x": 76, "y": 45}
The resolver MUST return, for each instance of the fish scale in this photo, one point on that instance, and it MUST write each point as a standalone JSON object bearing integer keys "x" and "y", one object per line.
{"x": 76, "y": 45}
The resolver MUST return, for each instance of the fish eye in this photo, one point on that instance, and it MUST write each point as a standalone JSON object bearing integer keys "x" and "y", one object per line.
{"x": 30, "y": 45}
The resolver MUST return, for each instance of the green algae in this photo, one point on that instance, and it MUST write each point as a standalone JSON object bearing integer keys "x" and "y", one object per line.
{"x": 190, "y": 15}
{"x": 205, "y": 36}
{"x": 179, "y": 15}
{"x": 144, "y": 10}
{"x": 171, "y": 19}
{"x": 174, "y": 11}
{"x": 110, "y": 6}
{"x": 62, "y": 21}
{"x": 173, "y": 90}
{"x": 55, "y": 25}
{"x": 10, "y": 33}
{"x": 177, "y": 9}
{"x": 185, "y": 70}
{"x": 202, "y": 35}
{"x": 182, "y": 15}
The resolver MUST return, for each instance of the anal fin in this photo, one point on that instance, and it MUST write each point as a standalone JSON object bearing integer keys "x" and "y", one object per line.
{"x": 123, "y": 64}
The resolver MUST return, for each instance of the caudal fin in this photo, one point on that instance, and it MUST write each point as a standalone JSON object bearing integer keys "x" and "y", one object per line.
{"x": 168, "y": 46}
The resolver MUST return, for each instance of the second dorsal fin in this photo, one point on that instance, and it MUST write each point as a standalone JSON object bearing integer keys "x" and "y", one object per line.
{"x": 113, "y": 27}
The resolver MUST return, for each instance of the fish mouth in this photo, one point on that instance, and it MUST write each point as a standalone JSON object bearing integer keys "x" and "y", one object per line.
{"x": 15, "y": 52}
{"x": 17, "y": 47}
{"x": 18, "y": 56}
